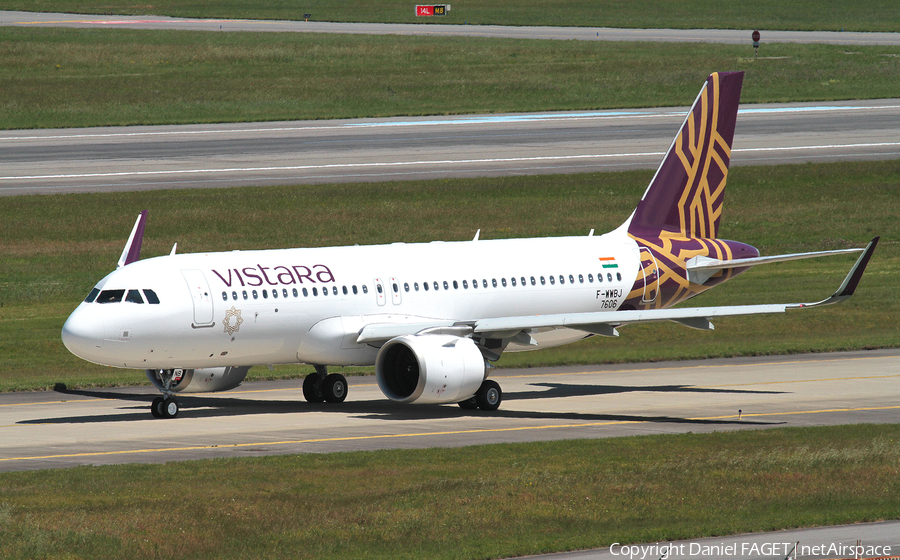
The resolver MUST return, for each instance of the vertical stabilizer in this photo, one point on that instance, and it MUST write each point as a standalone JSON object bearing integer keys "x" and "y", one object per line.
{"x": 132, "y": 251}
{"x": 686, "y": 195}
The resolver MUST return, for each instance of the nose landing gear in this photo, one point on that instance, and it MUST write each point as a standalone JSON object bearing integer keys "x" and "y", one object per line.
{"x": 166, "y": 406}
{"x": 162, "y": 407}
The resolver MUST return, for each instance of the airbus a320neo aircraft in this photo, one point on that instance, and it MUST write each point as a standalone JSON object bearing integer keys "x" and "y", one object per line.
{"x": 431, "y": 316}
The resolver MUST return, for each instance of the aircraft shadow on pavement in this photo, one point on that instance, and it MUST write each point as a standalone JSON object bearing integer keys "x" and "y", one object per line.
{"x": 221, "y": 407}
{"x": 558, "y": 390}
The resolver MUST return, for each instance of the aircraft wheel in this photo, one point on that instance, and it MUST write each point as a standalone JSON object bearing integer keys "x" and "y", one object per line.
{"x": 169, "y": 408}
{"x": 468, "y": 404}
{"x": 489, "y": 396}
{"x": 335, "y": 388}
{"x": 312, "y": 390}
{"x": 156, "y": 407}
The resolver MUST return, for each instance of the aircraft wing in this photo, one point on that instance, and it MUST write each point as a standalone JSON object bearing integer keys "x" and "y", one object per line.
{"x": 605, "y": 322}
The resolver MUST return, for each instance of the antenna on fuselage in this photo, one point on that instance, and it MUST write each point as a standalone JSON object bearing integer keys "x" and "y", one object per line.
{"x": 132, "y": 251}
{"x": 477, "y": 233}
{"x": 175, "y": 246}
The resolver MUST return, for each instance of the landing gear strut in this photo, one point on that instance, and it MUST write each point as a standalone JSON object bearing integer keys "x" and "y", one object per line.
{"x": 166, "y": 406}
{"x": 324, "y": 387}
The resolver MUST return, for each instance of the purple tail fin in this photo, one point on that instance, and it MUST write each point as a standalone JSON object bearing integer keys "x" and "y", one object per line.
{"x": 132, "y": 251}
{"x": 686, "y": 195}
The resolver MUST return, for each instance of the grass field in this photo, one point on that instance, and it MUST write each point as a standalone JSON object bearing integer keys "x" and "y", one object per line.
{"x": 55, "y": 248}
{"x": 849, "y": 15}
{"x": 473, "y": 502}
{"x": 72, "y": 77}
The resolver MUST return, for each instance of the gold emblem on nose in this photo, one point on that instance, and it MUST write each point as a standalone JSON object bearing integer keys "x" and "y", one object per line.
{"x": 232, "y": 320}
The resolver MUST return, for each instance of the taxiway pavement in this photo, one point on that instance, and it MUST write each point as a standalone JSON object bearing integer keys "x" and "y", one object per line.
{"x": 732, "y": 36}
{"x": 107, "y": 426}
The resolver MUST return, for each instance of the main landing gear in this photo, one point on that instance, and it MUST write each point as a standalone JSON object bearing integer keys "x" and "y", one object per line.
{"x": 322, "y": 386}
{"x": 487, "y": 398}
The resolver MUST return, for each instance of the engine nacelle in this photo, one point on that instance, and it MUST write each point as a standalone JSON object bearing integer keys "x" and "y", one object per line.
{"x": 430, "y": 368}
{"x": 200, "y": 380}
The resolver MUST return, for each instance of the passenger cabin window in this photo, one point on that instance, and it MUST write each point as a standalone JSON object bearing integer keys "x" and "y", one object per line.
{"x": 532, "y": 281}
{"x": 503, "y": 281}
{"x": 552, "y": 280}
{"x": 305, "y": 292}
{"x": 355, "y": 290}
{"x": 344, "y": 289}
{"x": 494, "y": 282}
{"x": 436, "y": 287}
{"x": 484, "y": 283}
{"x": 365, "y": 289}
{"x": 110, "y": 296}
{"x": 619, "y": 276}
{"x": 425, "y": 285}
{"x": 591, "y": 278}
{"x": 92, "y": 296}
{"x": 465, "y": 284}
{"x": 134, "y": 296}
{"x": 455, "y": 285}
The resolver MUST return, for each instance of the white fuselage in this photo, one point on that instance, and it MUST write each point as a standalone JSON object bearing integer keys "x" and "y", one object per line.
{"x": 308, "y": 305}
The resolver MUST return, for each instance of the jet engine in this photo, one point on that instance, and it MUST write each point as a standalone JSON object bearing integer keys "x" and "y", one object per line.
{"x": 429, "y": 368}
{"x": 200, "y": 380}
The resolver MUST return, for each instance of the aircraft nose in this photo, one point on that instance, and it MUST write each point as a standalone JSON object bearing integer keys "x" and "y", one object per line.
{"x": 83, "y": 334}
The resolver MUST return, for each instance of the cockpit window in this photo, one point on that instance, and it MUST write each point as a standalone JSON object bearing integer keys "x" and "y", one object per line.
{"x": 92, "y": 296}
{"x": 110, "y": 296}
{"x": 151, "y": 296}
{"x": 134, "y": 296}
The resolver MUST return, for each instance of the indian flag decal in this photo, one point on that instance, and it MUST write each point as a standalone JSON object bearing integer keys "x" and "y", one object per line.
{"x": 608, "y": 262}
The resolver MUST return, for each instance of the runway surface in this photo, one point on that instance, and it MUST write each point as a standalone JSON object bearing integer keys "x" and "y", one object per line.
{"x": 33, "y": 19}
{"x": 304, "y": 152}
{"x": 108, "y": 426}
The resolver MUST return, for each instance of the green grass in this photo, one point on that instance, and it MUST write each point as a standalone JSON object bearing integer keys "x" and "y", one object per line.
{"x": 93, "y": 77}
{"x": 55, "y": 248}
{"x": 473, "y": 502}
{"x": 850, "y": 15}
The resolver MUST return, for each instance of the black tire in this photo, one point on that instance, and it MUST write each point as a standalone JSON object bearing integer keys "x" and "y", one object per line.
{"x": 468, "y": 404}
{"x": 156, "y": 407}
{"x": 335, "y": 388}
{"x": 169, "y": 408}
{"x": 489, "y": 396}
{"x": 312, "y": 390}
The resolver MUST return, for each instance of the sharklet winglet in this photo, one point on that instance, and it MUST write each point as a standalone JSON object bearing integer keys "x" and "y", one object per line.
{"x": 132, "y": 251}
